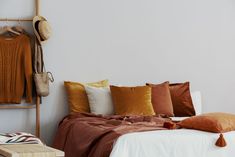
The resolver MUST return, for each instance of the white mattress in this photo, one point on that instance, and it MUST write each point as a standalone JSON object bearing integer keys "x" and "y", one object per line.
{"x": 173, "y": 143}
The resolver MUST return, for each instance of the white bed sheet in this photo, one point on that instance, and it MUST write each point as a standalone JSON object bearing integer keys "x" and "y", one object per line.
{"x": 179, "y": 118}
{"x": 173, "y": 143}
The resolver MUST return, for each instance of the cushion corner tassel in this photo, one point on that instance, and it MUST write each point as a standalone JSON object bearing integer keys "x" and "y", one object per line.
{"x": 221, "y": 141}
{"x": 169, "y": 125}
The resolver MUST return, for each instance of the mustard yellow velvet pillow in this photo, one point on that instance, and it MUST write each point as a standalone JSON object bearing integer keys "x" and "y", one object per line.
{"x": 77, "y": 97}
{"x": 132, "y": 100}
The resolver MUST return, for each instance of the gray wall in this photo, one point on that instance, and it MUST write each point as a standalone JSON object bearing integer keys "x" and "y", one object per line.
{"x": 131, "y": 42}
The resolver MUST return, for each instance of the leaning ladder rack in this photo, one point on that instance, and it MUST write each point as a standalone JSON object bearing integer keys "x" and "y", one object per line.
{"x": 37, "y": 105}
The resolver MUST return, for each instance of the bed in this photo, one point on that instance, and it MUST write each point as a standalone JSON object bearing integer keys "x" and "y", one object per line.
{"x": 173, "y": 143}
{"x": 76, "y": 136}
{"x": 101, "y": 134}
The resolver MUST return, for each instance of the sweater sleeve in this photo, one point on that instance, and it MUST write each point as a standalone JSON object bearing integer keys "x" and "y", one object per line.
{"x": 28, "y": 71}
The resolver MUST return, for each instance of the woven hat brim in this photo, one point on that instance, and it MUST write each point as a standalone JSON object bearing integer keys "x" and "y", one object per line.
{"x": 36, "y": 21}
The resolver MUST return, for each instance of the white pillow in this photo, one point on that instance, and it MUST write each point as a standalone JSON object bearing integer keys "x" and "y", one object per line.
{"x": 100, "y": 100}
{"x": 197, "y": 101}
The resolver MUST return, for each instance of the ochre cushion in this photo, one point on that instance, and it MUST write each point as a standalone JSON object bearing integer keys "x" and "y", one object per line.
{"x": 132, "y": 100}
{"x": 181, "y": 100}
{"x": 211, "y": 122}
{"x": 161, "y": 99}
{"x": 77, "y": 97}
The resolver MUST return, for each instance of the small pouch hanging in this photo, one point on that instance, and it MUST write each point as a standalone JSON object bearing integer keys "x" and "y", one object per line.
{"x": 42, "y": 79}
{"x": 42, "y": 83}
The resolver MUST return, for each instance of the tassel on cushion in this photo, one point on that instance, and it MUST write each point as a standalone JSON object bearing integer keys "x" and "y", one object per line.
{"x": 169, "y": 125}
{"x": 221, "y": 141}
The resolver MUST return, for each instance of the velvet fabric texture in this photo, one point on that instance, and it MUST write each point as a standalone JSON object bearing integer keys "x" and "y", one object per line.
{"x": 132, "y": 100}
{"x": 161, "y": 99}
{"x": 77, "y": 97}
{"x": 181, "y": 99}
{"x": 212, "y": 122}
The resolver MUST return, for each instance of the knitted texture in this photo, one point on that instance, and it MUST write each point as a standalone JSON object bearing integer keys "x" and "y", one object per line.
{"x": 15, "y": 69}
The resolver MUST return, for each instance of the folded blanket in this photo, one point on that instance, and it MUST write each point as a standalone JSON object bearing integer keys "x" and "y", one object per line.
{"x": 83, "y": 135}
{"x": 19, "y": 138}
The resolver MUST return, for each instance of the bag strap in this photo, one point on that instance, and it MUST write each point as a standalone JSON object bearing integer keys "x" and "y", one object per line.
{"x": 38, "y": 57}
{"x": 43, "y": 65}
{"x": 39, "y": 51}
{"x": 50, "y": 76}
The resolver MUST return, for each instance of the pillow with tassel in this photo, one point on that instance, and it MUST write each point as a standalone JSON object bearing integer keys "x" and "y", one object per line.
{"x": 217, "y": 122}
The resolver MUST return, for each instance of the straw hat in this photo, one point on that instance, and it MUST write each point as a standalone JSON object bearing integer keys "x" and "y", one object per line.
{"x": 41, "y": 28}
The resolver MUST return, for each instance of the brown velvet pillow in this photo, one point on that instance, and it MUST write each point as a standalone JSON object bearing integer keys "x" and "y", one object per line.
{"x": 161, "y": 99}
{"x": 132, "y": 100}
{"x": 181, "y": 99}
{"x": 211, "y": 122}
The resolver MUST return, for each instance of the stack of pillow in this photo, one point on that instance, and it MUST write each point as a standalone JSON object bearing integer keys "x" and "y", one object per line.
{"x": 151, "y": 99}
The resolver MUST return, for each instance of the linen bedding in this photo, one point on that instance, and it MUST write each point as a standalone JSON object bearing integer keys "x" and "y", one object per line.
{"x": 89, "y": 135}
{"x": 173, "y": 143}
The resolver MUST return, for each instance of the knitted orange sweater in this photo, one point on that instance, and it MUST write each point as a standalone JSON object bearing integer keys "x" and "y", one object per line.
{"x": 15, "y": 69}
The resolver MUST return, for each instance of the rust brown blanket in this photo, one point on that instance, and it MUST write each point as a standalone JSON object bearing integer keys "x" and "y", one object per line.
{"x": 88, "y": 135}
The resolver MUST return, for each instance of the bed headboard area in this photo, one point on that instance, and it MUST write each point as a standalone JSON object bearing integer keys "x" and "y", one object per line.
{"x": 170, "y": 99}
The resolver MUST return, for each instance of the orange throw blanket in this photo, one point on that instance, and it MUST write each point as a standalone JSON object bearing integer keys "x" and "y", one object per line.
{"x": 89, "y": 135}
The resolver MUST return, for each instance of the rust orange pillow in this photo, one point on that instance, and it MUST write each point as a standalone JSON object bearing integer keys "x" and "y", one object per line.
{"x": 181, "y": 100}
{"x": 77, "y": 97}
{"x": 132, "y": 100}
{"x": 161, "y": 99}
{"x": 212, "y": 122}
